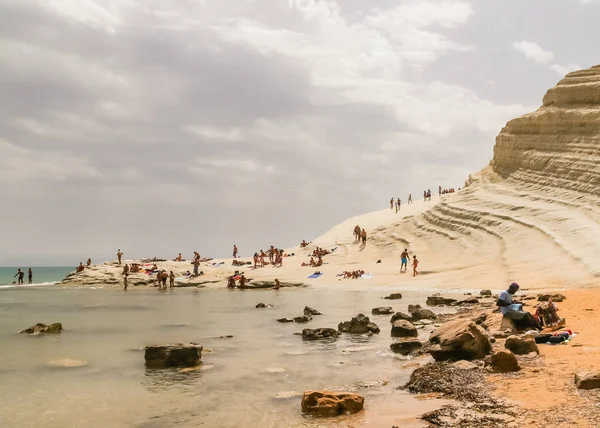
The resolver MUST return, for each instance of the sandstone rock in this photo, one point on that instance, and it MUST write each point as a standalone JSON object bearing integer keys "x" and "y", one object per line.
{"x": 360, "y": 324}
{"x": 439, "y": 300}
{"x": 394, "y": 296}
{"x": 504, "y": 362}
{"x": 423, "y": 314}
{"x": 285, "y": 320}
{"x": 403, "y": 328}
{"x": 43, "y": 328}
{"x": 459, "y": 339}
{"x": 309, "y": 312}
{"x": 469, "y": 301}
{"x": 384, "y": 310}
{"x": 178, "y": 355}
{"x": 302, "y": 319}
{"x": 405, "y": 347}
{"x": 587, "y": 380}
{"x": 555, "y": 297}
{"x": 328, "y": 403}
{"x": 412, "y": 308}
{"x": 487, "y": 293}
{"x": 522, "y": 344}
{"x": 400, "y": 316}
{"x": 319, "y": 333}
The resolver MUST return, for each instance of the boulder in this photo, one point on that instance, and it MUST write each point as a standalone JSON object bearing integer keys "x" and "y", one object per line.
{"x": 423, "y": 314}
{"x": 487, "y": 293}
{"x": 310, "y": 312}
{"x": 285, "y": 320}
{"x": 587, "y": 380}
{"x": 359, "y": 324}
{"x": 405, "y": 347}
{"x": 459, "y": 339}
{"x": 261, "y": 306}
{"x": 469, "y": 301}
{"x": 319, "y": 333}
{"x": 439, "y": 300}
{"x": 384, "y": 310}
{"x": 521, "y": 344}
{"x": 504, "y": 362}
{"x": 43, "y": 328}
{"x": 464, "y": 365}
{"x": 178, "y": 355}
{"x": 400, "y": 316}
{"x": 302, "y": 319}
{"x": 555, "y": 297}
{"x": 412, "y": 308}
{"x": 328, "y": 403}
{"x": 394, "y": 296}
{"x": 403, "y": 328}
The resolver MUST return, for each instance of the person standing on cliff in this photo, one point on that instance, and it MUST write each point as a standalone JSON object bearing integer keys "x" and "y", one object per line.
{"x": 392, "y": 203}
{"x": 409, "y": 199}
{"x": 119, "y": 255}
{"x": 235, "y": 251}
{"x": 398, "y": 204}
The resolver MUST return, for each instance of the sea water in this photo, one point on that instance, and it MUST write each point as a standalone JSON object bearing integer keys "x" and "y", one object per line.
{"x": 256, "y": 378}
{"x": 42, "y": 275}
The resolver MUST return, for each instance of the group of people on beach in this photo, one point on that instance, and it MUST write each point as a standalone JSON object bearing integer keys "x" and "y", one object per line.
{"x": 20, "y": 275}
{"x": 446, "y": 191}
{"x": 360, "y": 234}
{"x": 397, "y": 203}
{"x": 404, "y": 258}
{"x": 275, "y": 257}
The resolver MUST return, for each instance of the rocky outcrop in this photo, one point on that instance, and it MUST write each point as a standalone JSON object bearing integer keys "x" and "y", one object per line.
{"x": 400, "y": 316}
{"x": 587, "y": 380}
{"x": 403, "y": 328}
{"x": 310, "y": 312}
{"x": 303, "y": 319}
{"x": 459, "y": 339}
{"x": 384, "y": 310}
{"x": 503, "y": 362}
{"x": 520, "y": 345}
{"x": 40, "y": 328}
{"x": 423, "y": 314}
{"x": 319, "y": 334}
{"x": 359, "y": 324}
{"x": 439, "y": 301}
{"x": 406, "y": 346}
{"x": 328, "y": 403}
{"x": 178, "y": 355}
{"x": 394, "y": 296}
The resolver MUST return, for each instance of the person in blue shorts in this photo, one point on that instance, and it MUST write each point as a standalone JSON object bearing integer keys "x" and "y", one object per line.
{"x": 404, "y": 259}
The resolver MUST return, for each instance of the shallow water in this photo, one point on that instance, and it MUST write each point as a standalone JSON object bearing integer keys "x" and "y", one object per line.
{"x": 253, "y": 379}
{"x": 42, "y": 275}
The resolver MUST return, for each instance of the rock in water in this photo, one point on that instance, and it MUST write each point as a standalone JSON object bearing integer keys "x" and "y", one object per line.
{"x": 394, "y": 296}
{"x": 458, "y": 340}
{"x": 310, "y": 312}
{"x": 522, "y": 344}
{"x": 587, "y": 380}
{"x": 403, "y": 328}
{"x": 423, "y": 314}
{"x": 487, "y": 293}
{"x": 384, "y": 310}
{"x": 178, "y": 355}
{"x": 360, "y": 324}
{"x": 43, "y": 328}
{"x": 302, "y": 319}
{"x": 504, "y": 362}
{"x": 285, "y": 320}
{"x": 261, "y": 306}
{"x": 439, "y": 301}
{"x": 412, "y": 308}
{"x": 328, "y": 404}
{"x": 400, "y": 316}
{"x": 319, "y": 333}
{"x": 405, "y": 347}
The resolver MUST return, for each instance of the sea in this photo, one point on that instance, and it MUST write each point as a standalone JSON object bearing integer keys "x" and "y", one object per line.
{"x": 42, "y": 275}
{"x": 254, "y": 369}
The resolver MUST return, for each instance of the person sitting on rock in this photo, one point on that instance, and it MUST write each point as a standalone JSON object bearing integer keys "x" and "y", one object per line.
{"x": 514, "y": 310}
{"x": 80, "y": 268}
{"x": 231, "y": 282}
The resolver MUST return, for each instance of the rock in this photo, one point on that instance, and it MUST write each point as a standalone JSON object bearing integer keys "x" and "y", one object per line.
{"x": 423, "y": 314}
{"x": 400, "y": 316}
{"x": 504, "y": 362}
{"x": 412, "y": 308}
{"x": 178, "y": 355}
{"x": 309, "y": 312}
{"x": 43, "y": 328}
{"x": 459, "y": 339}
{"x": 394, "y": 296}
{"x": 285, "y": 320}
{"x": 405, "y": 347}
{"x": 487, "y": 293}
{"x": 521, "y": 345}
{"x": 302, "y": 319}
{"x": 260, "y": 306}
{"x": 384, "y": 310}
{"x": 587, "y": 380}
{"x": 360, "y": 324}
{"x": 403, "y": 328}
{"x": 328, "y": 403}
{"x": 502, "y": 334}
{"x": 424, "y": 322}
{"x": 319, "y": 333}
{"x": 555, "y": 297}
{"x": 469, "y": 301}
{"x": 464, "y": 365}
{"x": 439, "y": 300}
{"x": 67, "y": 363}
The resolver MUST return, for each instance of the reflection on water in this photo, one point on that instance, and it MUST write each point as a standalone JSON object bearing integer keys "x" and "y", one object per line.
{"x": 254, "y": 370}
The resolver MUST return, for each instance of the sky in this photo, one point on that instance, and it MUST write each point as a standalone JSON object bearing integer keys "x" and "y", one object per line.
{"x": 160, "y": 127}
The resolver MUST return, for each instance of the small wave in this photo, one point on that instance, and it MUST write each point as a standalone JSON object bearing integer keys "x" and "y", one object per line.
{"x": 39, "y": 284}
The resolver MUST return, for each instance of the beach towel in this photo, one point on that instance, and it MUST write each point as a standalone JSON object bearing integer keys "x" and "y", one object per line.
{"x": 315, "y": 275}
{"x": 366, "y": 276}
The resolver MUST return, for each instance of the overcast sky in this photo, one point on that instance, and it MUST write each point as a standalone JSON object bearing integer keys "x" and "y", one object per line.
{"x": 161, "y": 127}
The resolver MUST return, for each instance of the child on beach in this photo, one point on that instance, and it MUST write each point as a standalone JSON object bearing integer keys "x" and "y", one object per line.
{"x": 171, "y": 280}
{"x": 415, "y": 264}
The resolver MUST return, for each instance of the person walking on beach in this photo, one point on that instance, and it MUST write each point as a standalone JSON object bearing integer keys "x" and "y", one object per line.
{"x": 356, "y": 233}
{"x": 396, "y": 207}
{"x": 125, "y": 281}
{"x": 20, "y": 274}
{"x": 363, "y": 234}
{"x": 440, "y": 190}
{"x": 271, "y": 252}
{"x": 235, "y": 251}
{"x": 399, "y": 203}
{"x": 404, "y": 259}
{"x": 171, "y": 280}
{"x": 255, "y": 258}
{"x": 409, "y": 199}
{"x": 30, "y": 275}
{"x": 119, "y": 255}
{"x": 392, "y": 203}
{"x": 415, "y": 264}
{"x": 196, "y": 264}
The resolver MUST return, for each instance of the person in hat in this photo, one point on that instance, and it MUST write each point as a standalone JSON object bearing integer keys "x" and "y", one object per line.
{"x": 514, "y": 310}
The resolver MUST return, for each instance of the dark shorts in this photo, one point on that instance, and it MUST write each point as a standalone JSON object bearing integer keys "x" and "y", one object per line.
{"x": 364, "y": 239}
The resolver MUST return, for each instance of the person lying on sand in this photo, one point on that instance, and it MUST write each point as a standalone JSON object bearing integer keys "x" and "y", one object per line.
{"x": 311, "y": 263}
{"x": 514, "y": 310}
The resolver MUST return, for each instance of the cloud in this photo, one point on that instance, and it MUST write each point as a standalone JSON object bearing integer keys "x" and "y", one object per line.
{"x": 535, "y": 53}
